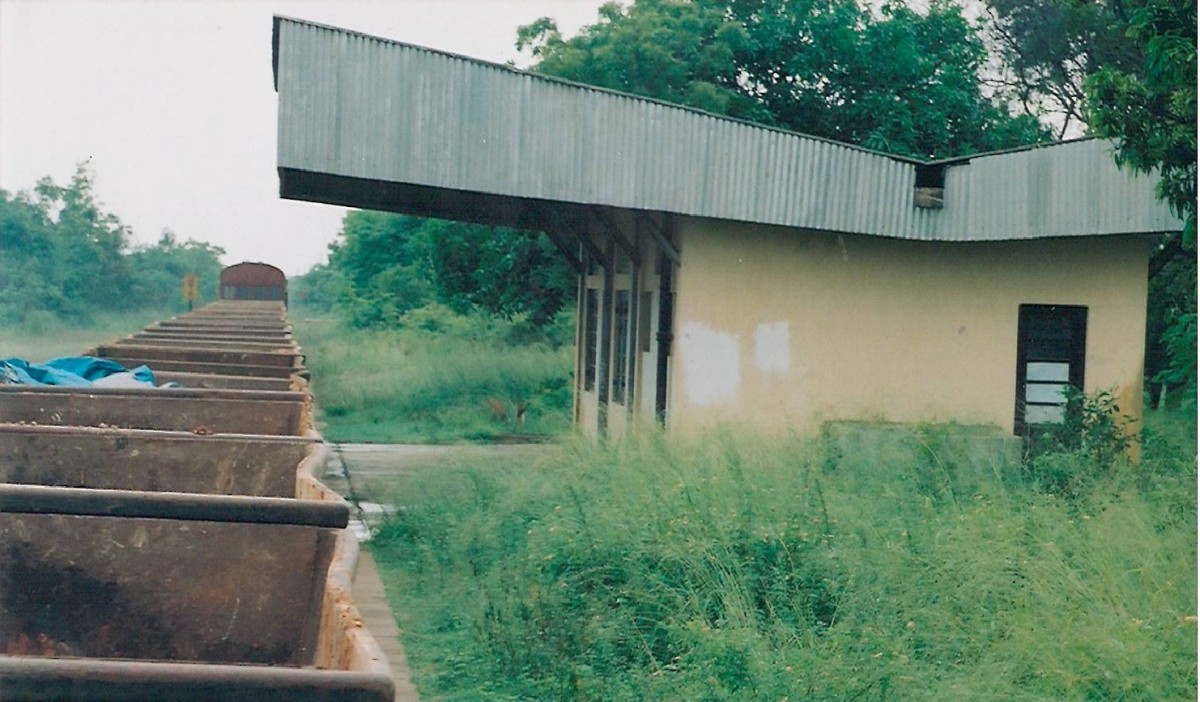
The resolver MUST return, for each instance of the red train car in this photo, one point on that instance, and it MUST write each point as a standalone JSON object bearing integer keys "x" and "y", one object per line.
{"x": 253, "y": 281}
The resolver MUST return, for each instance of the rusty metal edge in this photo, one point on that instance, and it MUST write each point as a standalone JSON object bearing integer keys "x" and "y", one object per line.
{"x": 176, "y": 393}
{"x": 41, "y": 499}
{"x": 25, "y": 679}
{"x": 69, "y": 430}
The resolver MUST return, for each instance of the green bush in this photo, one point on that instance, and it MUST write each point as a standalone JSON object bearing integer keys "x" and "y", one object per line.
{"x": 1091, "y": 442}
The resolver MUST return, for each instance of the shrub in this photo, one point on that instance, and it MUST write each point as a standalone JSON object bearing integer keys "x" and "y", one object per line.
{"x": 1090, "y": 443}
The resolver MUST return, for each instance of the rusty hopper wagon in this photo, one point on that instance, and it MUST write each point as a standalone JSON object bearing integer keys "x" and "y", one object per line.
{"x": 253, "y": 281}
{"x": 177, "y": 543}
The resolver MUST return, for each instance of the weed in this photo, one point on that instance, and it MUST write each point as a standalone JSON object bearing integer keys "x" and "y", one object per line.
{"x": 747, "y": 568}
{"x": 1090, "y": 443}
{"x": 443, "y": 378}
{"x": 44, "y": 336}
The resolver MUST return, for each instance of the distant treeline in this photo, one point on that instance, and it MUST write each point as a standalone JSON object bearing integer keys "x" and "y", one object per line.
{"x": 62, "y": 254}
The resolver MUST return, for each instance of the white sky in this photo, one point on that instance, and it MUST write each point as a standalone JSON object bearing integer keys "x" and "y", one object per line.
{"x": 172, "y": 103}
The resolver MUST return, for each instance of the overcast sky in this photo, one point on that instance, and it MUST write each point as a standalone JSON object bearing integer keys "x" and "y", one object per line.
{"x": 171, "y": 102}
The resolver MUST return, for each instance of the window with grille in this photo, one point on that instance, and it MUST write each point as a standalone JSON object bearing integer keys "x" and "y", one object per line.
{"x": 1051, "y": 346}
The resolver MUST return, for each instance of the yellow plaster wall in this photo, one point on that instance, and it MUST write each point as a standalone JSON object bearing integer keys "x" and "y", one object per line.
{"x": 780, "y": 327}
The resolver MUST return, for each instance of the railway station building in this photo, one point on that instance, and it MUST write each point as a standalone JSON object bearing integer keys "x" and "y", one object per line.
{"x": 731, "y": 273}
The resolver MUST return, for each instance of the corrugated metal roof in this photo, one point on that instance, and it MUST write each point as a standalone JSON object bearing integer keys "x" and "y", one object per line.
{"x": 367, "y": 111}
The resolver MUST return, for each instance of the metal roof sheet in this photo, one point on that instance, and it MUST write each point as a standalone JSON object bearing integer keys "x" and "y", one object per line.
{"x": 376, "y": 123}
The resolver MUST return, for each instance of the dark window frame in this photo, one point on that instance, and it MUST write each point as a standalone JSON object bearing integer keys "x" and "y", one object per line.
{"x": 1076, "y": 316}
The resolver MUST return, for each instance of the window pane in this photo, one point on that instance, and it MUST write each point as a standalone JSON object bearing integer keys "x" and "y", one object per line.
{"x": 1048, "y": 372}
{"x": 1048, "y": 393}
{"x": 644, "y": 316}
{"x": 1044, "y": 414}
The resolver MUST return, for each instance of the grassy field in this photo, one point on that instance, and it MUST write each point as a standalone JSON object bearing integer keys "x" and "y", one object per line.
{"x": 45, "y": 336}
{"x": 465, "y": 382}
{"x": 757, "y": 568}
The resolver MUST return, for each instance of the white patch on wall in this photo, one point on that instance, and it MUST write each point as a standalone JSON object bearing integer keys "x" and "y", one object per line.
{"x": 711, "y": 367}
{"x": 772, "y": 352}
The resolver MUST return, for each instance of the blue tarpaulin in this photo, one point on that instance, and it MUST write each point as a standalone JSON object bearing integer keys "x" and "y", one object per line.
{"x": 69, "y": 371}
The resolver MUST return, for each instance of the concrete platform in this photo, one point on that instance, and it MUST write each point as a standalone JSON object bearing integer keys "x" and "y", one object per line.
{"x": 367, "y": 587}
{"x": 372, "y": 604}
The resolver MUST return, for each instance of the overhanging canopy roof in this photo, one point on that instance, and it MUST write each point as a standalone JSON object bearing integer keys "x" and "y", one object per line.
{"x": 378, "y": 124}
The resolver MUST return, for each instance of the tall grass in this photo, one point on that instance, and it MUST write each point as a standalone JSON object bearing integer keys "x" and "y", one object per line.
{"x": 44, "y": 335}
{"x": 466, "y": 380}
{"x": 753, "y": 568}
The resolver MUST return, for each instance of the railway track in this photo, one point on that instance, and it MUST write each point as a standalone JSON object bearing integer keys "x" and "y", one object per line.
{"x": 177, "y": 543}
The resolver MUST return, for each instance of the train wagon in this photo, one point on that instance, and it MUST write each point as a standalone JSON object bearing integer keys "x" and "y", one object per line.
{"x": 253, "y": 281}
{"x": 177, "y": 543}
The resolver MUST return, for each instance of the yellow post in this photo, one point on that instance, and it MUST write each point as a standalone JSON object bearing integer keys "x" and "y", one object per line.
{"x": 191, "y": 288}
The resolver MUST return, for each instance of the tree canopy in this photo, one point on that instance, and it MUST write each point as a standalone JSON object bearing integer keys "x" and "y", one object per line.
{"x": 386, "y": 265}
{"x": 894, "y": 80}
{"x": 1046, "y": 49}
{"x": 1149, "y": 108}
{"x": 61, "y": 253}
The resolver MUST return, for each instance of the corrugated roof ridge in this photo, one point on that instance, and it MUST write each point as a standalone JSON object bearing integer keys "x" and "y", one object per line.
{"x": 595, "y": 88}
{"x": 961, "y": 160}
{"x": 912, "y": 160}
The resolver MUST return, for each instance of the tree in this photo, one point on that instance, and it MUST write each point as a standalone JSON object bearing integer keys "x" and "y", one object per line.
{"x": 390, "y": 264}
{"x": 502, "y": 271}
{"x": 384, "y": 262}
{"x": 1150, "y": 110}
{"x": 680, "y": 52}
{"x": 157, "y": 269}
{"x": 61, "y": 253}
{"x": 1048, "y": 48}
{"x": 896, "y": 80}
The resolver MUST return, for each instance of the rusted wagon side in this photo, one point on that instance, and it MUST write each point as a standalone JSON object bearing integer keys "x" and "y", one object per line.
{"x": 346, "y": 662}
{"x": 185, "y": 379}
{"x": 215, "y": 333}
{"x": 289, "y": 359}
{"x": 101, "y": 680}
{"x": 163, "y": 576}
{"x": 248, "y": 324}
{"x": 253, "y": 281}
{"x": 257, "y": 345}
{"x": 222, "y": 345}
{"x": 234, "y": 369}
{"x": 177, "y": 409}
{"x": 228, "y": 554}
{"x": 156, "y": 461}
{"x": 178, "y": 597}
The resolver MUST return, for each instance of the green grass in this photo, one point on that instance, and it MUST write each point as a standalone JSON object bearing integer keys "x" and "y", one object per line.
{"x": 464, "y": 382}
{"x": 757, "y": 568}
{"x": 44, "y": 336}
